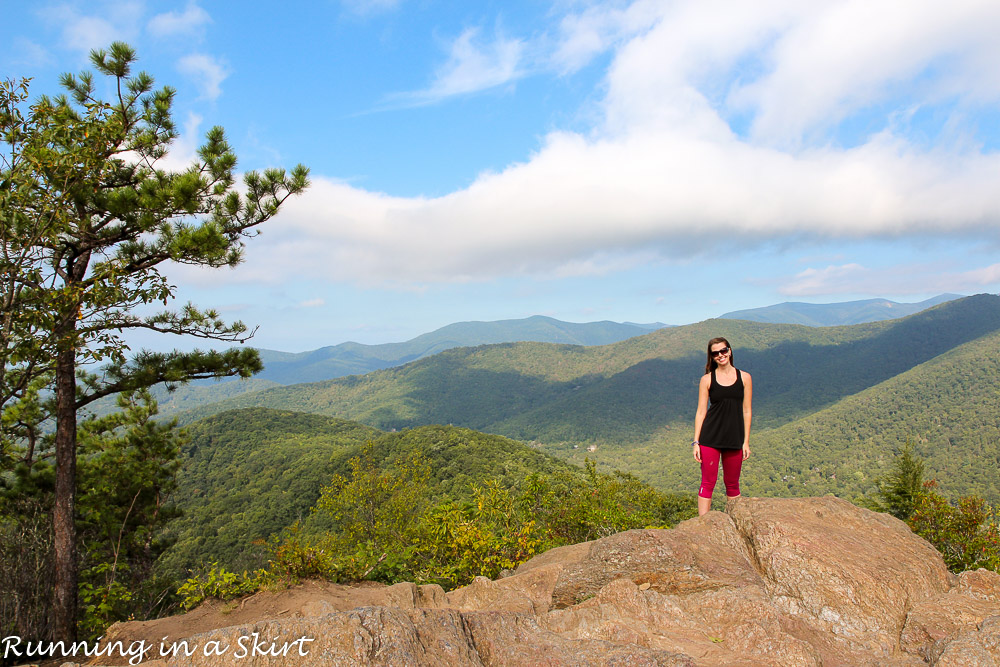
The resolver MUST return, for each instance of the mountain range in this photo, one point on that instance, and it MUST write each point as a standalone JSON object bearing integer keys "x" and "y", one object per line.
{"x": 284, "y": 368}
{"x": 356, "y": 358}
{"x": 353, "y": 358}
{"x": 836, "y": 314}
{"x": 847, "y": 395}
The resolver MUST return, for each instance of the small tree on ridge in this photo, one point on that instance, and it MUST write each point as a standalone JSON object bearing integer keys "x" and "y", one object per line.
{"x": 898, "y": 490}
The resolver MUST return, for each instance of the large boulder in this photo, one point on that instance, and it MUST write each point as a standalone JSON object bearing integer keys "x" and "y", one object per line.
{"x": 812, "y": 581}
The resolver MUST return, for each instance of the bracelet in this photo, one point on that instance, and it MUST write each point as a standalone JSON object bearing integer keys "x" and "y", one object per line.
{"x": 695, "y": 442}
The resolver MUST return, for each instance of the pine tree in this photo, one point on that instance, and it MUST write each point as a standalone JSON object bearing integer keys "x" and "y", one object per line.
{"x": 89, "y": 216}
{"x": 899, "y": 489}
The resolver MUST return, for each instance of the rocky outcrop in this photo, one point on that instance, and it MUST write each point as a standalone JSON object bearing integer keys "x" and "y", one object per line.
{"x": 813, "y": 581}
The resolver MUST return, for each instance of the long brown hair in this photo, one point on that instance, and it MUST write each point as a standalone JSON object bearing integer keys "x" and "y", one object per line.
{"x": 710, "y": 364}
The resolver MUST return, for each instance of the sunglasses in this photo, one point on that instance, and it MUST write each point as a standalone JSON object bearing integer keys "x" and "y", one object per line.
{"x": 716, "y": 353}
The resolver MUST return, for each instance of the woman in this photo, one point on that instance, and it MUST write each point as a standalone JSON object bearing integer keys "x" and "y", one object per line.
{"x": 722, "y": 430}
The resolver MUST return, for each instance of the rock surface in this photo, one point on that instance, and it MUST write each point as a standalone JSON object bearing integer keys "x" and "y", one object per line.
{"x": 812, "y": 581}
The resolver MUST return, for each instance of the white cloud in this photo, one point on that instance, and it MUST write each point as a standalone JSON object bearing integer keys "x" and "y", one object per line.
{"x": 191, "y": 22}
{"x": 973, "y": 279}
{"x": 836, "y": 58}
{"x": 208, "y": 71}
{"x": 586, "y": 34}
{"x": 475, "y": 64}
{"x": 578, "y": 202}
{"x": 664, "y": 174}
{"x": 31, "y": 54}
{"x": 312, "y": 303}
{"x": 845, "y": 278}
{"x": 184, "y": 149}
{"x": 598, "y": 28}
{"x": 89, "y": 32}
{"x": 906, "y": 279}
{"x": 80, "y": 32}
{"x": 472, "y": 66}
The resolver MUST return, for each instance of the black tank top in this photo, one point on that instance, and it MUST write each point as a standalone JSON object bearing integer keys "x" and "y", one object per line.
{"x": 723, "y": 425}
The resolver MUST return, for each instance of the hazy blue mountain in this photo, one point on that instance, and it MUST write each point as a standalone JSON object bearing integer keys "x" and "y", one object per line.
{"x": 629, "y": 390}
{"x": 653, "y": 326}
{"x": 189, "y": 396}
{"x": 930, "y": 377}
{"x": 327, "y": 363}
{"x": 356, "y": 358}
{"x": 835, "y": 314}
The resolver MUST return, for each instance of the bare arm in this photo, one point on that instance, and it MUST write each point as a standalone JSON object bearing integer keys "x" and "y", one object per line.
{"x": 699, "y": 415}
{"x": 747, "y": 412}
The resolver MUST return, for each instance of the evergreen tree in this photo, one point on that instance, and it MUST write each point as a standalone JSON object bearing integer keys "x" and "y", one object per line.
{"x": 899, "y": 489}
{"x": 89, "y": 216}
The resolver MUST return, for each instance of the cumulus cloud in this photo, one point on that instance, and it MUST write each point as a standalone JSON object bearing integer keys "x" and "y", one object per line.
{"x": 209, "y": 73}
{"x": 846, "y": 56}
{"x": 668, "y": 170}
{"x": 902, "y": 280}
{"x": 473, "y": 65}
{"x": 191, "y": 22}
{"x": 83, "y": 32}
{"x": 31, "y": 54}
{"x": 184, "y": 149}
{"x": 312, "y": 303}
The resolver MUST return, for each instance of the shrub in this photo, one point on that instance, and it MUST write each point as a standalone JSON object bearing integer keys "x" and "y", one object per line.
{"x": 222, "y": 584}
{"x": 482, "y": 537}
{"x": 966, "y": 533}
{"x": 377, "y": 509}
{"x": 102, "y": 605}
{"x": 386, "y": 529}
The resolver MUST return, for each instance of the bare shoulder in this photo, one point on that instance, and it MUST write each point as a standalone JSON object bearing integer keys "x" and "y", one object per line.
{"x": 746, "y": 376}
{"x": 706, "y": 380}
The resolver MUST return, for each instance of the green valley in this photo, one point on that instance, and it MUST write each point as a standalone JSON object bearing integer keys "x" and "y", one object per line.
{"x": 248, "y": 474}
{"x": 632, "y": 402}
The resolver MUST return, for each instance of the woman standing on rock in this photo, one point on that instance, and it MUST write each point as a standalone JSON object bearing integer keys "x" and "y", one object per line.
{"x": 722, "y": 429}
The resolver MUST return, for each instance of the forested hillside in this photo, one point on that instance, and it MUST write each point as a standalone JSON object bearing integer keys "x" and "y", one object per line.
{"x": 626, "y": 391}
{"x": 283, "y": 368}
{"x": 191, "y": 396}
{"x": 247, "y": 474}
{"x": 948, "y": 407}
{"x": 633, "y": 401}
{"x": 351, "y": 358}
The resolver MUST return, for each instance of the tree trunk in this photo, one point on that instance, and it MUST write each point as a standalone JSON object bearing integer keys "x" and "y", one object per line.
{"x": 64, "y": 512}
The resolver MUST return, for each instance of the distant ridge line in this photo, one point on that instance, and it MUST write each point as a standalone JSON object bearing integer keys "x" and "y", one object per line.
{"x": 836, "y": 314}
{"x": 353, "y": 358}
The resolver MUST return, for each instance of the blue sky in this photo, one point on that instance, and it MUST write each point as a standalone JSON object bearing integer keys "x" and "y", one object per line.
{"x": 630, "y": 161}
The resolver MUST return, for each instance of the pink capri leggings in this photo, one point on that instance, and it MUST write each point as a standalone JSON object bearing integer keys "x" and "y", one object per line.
{"x": 732, "y": 463}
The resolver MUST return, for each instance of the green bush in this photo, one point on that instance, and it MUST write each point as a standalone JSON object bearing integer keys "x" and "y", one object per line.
{"x": 482, "y": 537}
{"x": 222, "y": 584}
{"x": 376, "y": 506}
{"x": 385, "y": 526}
{"x": 966, "y": 533}
{"x": 102, "y": 605}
